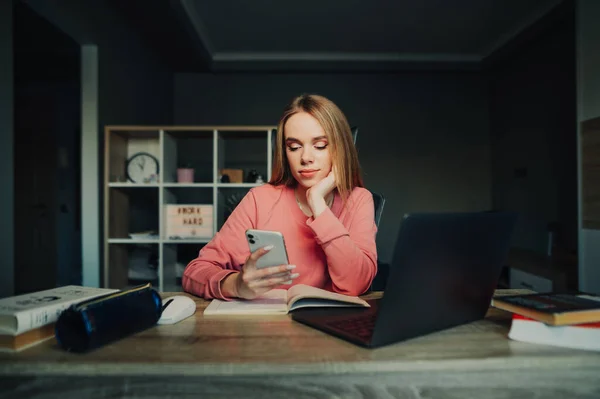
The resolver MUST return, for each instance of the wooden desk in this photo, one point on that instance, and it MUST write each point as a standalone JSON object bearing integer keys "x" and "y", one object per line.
{"x": 273, "y": 356}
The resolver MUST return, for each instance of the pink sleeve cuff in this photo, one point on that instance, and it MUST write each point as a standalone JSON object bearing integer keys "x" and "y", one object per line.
{"x": 215, "y": 282}
{"x": 327, "y": 227}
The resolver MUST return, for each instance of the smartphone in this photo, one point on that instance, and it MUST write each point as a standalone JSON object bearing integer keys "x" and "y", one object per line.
{"x": 261, "y": 238}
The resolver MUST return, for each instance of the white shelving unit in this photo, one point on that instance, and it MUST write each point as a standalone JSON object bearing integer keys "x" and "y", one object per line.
{"x": 133, "y": 207}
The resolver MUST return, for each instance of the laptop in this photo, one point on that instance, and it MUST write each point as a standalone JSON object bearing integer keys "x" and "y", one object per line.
{"x": 445, "y": 269}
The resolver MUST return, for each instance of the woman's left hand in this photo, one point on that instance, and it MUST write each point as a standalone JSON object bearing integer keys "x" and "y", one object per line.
{"x": 315, "y": 196}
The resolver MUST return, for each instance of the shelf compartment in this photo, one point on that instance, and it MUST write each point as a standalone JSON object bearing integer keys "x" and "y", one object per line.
{"x": 239, "y": 185}
{"x": 190, "y": 149}
{"x": 132, "y": 241}
{"x": 175, "y": 258}
{"x": 243, "y": 150}
{"x": 186, "y": 240}
{"x": 131, "y": 265}
{"x": 188, "y": 185}
{"x": 122, "y": 144}
{"x": 133, "y": 185}
{"x": 132, "y": 210}
{"x": 188, "y": 213}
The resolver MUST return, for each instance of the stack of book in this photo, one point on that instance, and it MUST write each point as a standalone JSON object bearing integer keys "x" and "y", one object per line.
{"x": 565, "y": 320}
{"x": 28, "y": 319}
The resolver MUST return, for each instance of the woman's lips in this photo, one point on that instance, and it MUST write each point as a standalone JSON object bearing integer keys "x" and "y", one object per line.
{"x": 308, "y": 173}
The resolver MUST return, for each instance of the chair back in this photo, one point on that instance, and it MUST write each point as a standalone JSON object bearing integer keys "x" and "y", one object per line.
{"x": 378, "y": 199}
{"x": 379, "y": 202}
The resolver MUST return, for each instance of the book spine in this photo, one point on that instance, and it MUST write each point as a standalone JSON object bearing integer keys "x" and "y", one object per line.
{"x": 34, "y": 318}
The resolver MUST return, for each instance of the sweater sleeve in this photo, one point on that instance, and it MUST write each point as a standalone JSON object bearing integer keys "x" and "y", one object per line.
{"x": 351, "y": 251}
{"x": 223, "y": 255}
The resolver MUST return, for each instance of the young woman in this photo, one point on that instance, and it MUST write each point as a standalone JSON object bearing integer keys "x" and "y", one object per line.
{"x": 315, "y": 198}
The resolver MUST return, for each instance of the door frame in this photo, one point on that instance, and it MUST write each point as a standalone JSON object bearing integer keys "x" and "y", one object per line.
{"x": 90, "y": 190}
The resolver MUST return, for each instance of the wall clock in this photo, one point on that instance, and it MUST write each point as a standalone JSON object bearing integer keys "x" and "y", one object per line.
{"x": 142, "y": 168}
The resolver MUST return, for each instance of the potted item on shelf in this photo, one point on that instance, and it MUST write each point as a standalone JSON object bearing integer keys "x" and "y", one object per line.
{"x": 252, "y": 176}
{"x": 185, "y": 174}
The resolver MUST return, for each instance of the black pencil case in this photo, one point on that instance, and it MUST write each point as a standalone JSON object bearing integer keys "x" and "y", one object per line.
{"x": 96, "y": 322}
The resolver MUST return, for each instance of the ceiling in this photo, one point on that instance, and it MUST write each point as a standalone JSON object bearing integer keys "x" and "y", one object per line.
{"x": 224, "y": 35}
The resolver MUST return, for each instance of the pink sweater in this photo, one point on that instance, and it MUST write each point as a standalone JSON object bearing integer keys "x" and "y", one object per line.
{"x": 335, "y": 251}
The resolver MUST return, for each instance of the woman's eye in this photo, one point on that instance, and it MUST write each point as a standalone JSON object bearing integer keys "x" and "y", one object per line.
{"x": 321, "y": 146}
{"x": 293, "y": 148}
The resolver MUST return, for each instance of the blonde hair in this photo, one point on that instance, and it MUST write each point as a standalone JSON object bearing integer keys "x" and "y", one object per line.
{"x": 344, "y": 157}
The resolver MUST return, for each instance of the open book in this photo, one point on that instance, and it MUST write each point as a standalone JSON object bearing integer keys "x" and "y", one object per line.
{"x": 279, "y": 301}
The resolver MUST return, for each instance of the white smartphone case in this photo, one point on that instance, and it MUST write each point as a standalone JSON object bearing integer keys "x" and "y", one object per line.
{"x": 261, "y": 238}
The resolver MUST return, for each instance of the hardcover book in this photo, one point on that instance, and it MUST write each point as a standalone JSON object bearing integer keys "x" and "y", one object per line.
{"x": 15, "y": 343}
{"x": 22, "y": 313}
{"x": 553, "y": 308}
{"x": 581, "y": 336}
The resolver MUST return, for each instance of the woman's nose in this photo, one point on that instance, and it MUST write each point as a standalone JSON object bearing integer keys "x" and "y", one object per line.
{"x": 307, "y": 156}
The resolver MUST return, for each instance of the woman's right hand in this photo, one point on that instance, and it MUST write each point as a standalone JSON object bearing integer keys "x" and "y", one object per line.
{"x": 251, "y": 282}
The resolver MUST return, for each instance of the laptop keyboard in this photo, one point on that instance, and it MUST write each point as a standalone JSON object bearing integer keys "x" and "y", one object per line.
{"x": 360, "y": 326}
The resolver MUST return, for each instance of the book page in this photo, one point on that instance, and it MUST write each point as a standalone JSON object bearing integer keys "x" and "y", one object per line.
{"x": 590, "y": 297}
{"x": 48, "y": 298}
{"x": 299, "y": 295}
{"x": 272, "y": 302}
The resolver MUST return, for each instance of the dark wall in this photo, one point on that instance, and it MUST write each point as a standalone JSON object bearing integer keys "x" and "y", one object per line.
{"x": 423, "y": 140}
{"x": 6, "y": 150}
{"x": 533, "y": 127}
{"x": 135, "y": 86}
{"x": 588, "y": 108}
{"x": 46, "y": 214}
